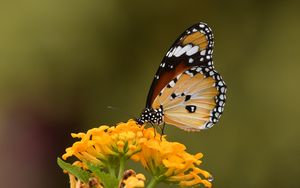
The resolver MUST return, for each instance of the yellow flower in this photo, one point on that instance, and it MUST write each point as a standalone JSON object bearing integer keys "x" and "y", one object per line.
{"x": 169, "y": 162}
{"x": 109, "y": 148}
{"x": 98, "y": 145}
{"x": 133, "y": 180}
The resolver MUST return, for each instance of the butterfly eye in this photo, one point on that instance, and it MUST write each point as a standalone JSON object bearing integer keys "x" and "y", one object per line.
{"x": 187, "y": 91}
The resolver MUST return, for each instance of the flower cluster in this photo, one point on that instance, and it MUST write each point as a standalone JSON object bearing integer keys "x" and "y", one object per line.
{"x": 103, "y": 145}
{"x": 103, "y": 152}
{"x": 169, "y": 162}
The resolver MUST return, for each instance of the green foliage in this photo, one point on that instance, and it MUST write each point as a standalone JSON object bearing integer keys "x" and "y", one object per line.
{"x": 108, "y": 180}
{"x": 75, "y": 170}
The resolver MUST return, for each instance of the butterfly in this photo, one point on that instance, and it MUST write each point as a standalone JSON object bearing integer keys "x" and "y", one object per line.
{"x": 186, "y": 90}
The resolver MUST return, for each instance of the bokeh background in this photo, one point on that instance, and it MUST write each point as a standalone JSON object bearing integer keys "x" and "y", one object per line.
{"x": 63, "y": 62}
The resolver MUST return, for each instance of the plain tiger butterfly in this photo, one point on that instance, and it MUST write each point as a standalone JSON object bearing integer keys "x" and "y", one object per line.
{"x": 187, "y": 91}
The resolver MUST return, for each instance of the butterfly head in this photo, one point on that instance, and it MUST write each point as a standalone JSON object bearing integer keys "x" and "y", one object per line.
{"x": 150, "y": 115}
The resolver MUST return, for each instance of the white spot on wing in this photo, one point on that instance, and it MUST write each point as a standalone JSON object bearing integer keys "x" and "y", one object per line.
{"x": 220, "y": 109}
{"x": 222, "y": 89}
{"x": 202, "y": 52}
{"x": 171, "y": 52}
{"x": 192, "y": 51}
{"x": 172, "y": 83}
{"x": 183, "y": 50}
{"x": 222, "y": 97}
{"x": 177, "y": 50}
{"x": 189, "y": 73}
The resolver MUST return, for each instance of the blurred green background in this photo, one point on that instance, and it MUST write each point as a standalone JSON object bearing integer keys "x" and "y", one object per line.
{"x": 63, "y": 62}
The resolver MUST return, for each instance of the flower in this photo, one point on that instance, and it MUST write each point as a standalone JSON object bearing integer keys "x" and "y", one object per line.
{"x": 100, "y": 144}
{"x": 169, "y": 162}
{"x": 101, "y": 151}
{"x": 133, "y": 180}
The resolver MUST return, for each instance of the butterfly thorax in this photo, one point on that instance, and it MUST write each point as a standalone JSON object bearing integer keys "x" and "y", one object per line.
{"x": 150, "y": 115}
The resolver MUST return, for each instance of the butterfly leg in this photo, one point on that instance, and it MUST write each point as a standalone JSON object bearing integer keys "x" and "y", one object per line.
{"x": 162, "y": 129}
{"x": 154, "y": 129}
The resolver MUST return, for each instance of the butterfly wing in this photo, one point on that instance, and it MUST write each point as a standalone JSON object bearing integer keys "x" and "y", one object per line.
{"x": 192, "y": 48}
{"x": 196, "y": 100}
{"x": 186, "y": 86}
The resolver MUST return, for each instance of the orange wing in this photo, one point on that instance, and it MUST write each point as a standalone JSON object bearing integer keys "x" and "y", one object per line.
{"x": 195, "y": 101}
{"x": 194, "y": 47}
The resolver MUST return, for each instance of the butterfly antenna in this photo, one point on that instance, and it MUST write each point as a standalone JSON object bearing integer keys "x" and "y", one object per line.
{"x": 121, "y": 111}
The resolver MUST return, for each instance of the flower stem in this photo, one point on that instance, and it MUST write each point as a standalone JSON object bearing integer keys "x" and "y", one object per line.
{"x": 122, "y": 167}
{"x": 111, "y": 170}
{"x": 153, "y": 182}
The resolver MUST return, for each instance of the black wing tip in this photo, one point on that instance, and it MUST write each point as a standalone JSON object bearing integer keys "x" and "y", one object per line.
{"x": 200, "y": 25}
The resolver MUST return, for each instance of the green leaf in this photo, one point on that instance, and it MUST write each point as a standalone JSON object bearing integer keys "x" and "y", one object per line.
{"x": 75, "y": 170}
{"x": 108, "y": 180}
